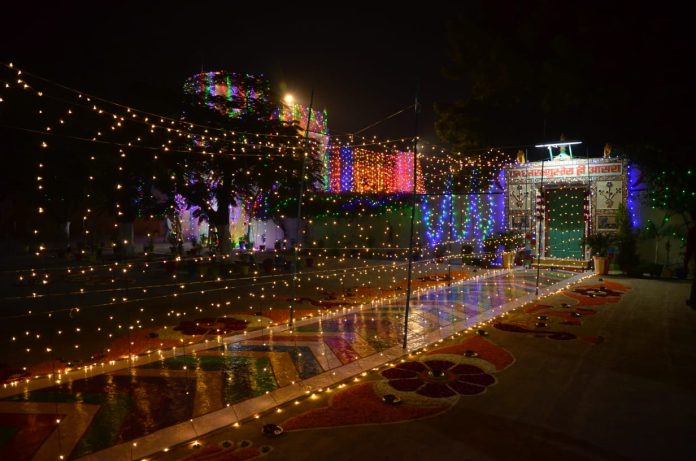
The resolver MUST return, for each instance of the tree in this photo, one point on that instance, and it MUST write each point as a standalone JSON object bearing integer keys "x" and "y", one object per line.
{"x": 247, "y": 153}
{"x": 46, "y": 171}
{"x": 601, "y": 74}
{"x": 627, "y": 241}
{"x": 662, "y": 232}
{"x": 132, "y": 194}
{"x": 141, "y": 187}
{"x": 672, "y": 187}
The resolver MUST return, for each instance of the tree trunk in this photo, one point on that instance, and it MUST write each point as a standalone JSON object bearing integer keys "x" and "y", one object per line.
{"x": 281, "y": 224}
{"x": 220, "y": 219}
{"x": 223, "y": 233}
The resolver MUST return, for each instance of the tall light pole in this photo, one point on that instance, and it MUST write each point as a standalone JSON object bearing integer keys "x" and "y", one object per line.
{"x": 413, "y": 218}
{"x": 298, "y": 226}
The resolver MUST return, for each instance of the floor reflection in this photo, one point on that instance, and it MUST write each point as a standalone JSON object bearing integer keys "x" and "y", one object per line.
{"x": 138, "y": 401}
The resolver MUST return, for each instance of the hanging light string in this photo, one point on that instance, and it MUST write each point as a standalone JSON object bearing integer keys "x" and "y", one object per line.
{"x": 84, "y": 98}
{"x": 133, "y": 111}
{"x": 82, "y": 291}
{"x": 120, "y": 120}
{"x": 165, "y": 147}
{"x": 131, "y": 115}
{"x": 117, "y": 327}
{"x": 388, "y": 117}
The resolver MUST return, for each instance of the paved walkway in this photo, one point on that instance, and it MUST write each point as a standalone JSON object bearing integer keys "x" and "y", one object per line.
{"x": 601, "y": 371}
{"x": 174, "y": 395}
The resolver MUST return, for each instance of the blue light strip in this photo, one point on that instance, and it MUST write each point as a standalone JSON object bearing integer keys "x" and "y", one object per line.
{"x": 499, "y": 202}
{"x": 633, "y": 187}
{"x": 435, "y": 232}
{"x": 346, "y": 169}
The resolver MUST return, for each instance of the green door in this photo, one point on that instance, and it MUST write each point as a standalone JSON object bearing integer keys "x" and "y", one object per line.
{"x": 565, "y": 222}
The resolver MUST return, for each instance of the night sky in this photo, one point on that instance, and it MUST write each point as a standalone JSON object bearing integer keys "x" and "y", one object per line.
{"x": 364, "y": 65}
{"x": 363, "y": 60}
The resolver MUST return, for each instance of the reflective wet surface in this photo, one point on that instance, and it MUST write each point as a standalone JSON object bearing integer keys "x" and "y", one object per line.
{"x": 130, "y": 403}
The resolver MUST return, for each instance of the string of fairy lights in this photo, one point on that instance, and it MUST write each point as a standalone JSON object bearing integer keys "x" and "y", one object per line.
{"x": 311, "y": 394}
{"x": 362, "y": 143}
{"x": 368, "y": 174}
{"x": 355, "y": 234}
{"x": 30, "y": 340}
{"x": 121, "y": 122}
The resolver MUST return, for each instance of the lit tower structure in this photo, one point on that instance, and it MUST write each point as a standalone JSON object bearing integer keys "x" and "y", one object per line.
{"x": 240, "y": 95}
{"x": 292, "y": 111}
{"x": 235, "y": 94}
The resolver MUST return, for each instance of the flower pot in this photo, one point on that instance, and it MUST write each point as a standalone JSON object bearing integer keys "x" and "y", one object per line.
{"x": 508, "y": 259}
{"x": 600, "y": 265}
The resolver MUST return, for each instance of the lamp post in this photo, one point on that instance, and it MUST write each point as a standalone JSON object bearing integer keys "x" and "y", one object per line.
{"x": 299, "y": 209}
{"x": 413, "y": 218}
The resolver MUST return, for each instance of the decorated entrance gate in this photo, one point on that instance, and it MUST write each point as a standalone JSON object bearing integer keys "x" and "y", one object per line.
{"x": 555, "y": 203}
{"x": 565, "y": 223}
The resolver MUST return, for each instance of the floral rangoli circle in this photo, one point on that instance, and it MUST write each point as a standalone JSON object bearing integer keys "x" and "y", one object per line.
{"x": 438, "y": 378}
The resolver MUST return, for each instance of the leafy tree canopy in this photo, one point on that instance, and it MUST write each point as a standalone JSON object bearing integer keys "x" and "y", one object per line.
{"x": 248, "y": 154}
{"x": 599, "y": 73}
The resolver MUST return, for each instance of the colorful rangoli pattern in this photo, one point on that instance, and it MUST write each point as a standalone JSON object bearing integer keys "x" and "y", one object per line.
{"x": 117, "y": 407}
{"x": 424, "y": 387}
{"x": 542, "y": 320}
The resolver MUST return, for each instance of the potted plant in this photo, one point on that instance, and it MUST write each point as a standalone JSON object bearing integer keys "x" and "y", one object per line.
{"x": 262, "y": 246}
{"x": 599, "y": 243}
{"x": 175, "y": 245}
{"x": 511, "y": 242}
